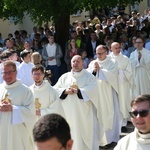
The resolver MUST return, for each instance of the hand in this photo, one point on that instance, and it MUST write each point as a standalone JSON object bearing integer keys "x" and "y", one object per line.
{"x": 38, "y": 112}
{"x": 75, "y": 91}
{"x": 50, "y": 58}
{"x": 69, "y": 91}
{"x": 96, "y": 67}
{"x": 5, "y": 107}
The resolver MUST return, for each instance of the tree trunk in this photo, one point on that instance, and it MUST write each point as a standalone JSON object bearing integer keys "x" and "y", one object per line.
{"x": 62, "y": 30}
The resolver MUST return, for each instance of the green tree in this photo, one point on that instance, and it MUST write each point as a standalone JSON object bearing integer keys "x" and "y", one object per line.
{"x": 57, "y": 11}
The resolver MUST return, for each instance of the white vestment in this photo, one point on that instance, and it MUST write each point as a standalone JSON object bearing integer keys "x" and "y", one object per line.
{"x": 107, "y": 78}
{"x": 16, "y": 126}
{"x": 81, "y": 114}
{"x": 48, "y": 98}
{"x": 125, "y": 84}
{"x": 141, "y": 72}
{"x": 25, "y": 73}
{"x": 1, "y": 78}
{"x": 134, "y": 141}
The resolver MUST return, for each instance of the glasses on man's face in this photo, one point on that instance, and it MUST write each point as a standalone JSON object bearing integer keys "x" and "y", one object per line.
{"x": 138, "y": 42}
{"x": 142, "y": 113}
{"x": 37, "y": 74}
{"x": 101, "y": 53}
{"x": 8, "y": 73}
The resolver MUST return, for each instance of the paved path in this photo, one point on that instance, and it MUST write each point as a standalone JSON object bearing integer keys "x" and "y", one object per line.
{"x": 130, "y": 129}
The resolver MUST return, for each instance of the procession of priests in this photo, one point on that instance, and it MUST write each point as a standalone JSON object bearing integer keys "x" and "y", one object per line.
{"x": 95, "y": 101}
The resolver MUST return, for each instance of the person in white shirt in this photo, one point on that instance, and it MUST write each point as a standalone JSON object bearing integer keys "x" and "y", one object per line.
{"x": 51, "y": 54}
{"x": 25, "y": 68}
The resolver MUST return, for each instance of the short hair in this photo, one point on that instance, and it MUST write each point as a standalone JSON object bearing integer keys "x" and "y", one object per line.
{"x": 52, "y": 126}
{"x": 141, "y": 98}
{"x": 9, "y": 63}
{"x": 24, "y": 53}
{"x": 139, "y": 37}
{"x": 38, "y": 67}
{"x": 6, "y": 54}
{"x": 13, "y": 51}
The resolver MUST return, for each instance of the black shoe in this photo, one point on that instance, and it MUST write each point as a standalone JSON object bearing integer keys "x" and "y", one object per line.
{"x": 108, "y": 146}
{"x": 124, "y": 130}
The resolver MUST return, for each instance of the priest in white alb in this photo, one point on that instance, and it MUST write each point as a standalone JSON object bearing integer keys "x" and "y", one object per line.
{"x": 106, "y": 71}
{"x": 78, "y": 91}
{"x": 45, "y": 96}
{"x": 17, "y": 111}
{"x": 140, "y": 61}
{"x": 125, "y": 82}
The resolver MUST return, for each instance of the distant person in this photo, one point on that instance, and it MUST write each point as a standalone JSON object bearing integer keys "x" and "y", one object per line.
{"x": 140, "y": 63}
{"x": 52, "y": 53}
{"x": 52, "y": 132}
{"x": 25, "y": 68}
{"x": 139, "y": 139}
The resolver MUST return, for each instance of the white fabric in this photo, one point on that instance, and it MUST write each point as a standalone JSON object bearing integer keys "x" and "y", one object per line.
{"x": 141, "y": 72}
{"x": 125, "y": 84}
{"x": 112, "y": 135}
{"x": 16, "y": 116}
{"x": 17, "y": 136}
{"x": 17, "y": 64}
{"x": 107, "y": 78}
{"x": 81, "y": 115}
{"x": 48, "y": 98}
{"x": 135, "y": 141}
{"x": 51, "y": 51}
{"x": 25, "y": 73}
{"x": 1, "y": 78}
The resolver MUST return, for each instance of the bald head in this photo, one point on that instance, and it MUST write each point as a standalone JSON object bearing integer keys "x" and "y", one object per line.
{"x": 115, "y": 48}
{"x": 77, "y": 63}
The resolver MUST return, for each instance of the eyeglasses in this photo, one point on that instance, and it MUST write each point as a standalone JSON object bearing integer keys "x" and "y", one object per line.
{"x": 37, "y": 74}
{"x": 8, "y": 73}
{"x": 142, "y": 113}
{"x": 101, "y": 53}
{"x": 138, "y": 42}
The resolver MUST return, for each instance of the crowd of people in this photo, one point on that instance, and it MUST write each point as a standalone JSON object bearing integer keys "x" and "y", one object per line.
{"x": 107, "y": 65}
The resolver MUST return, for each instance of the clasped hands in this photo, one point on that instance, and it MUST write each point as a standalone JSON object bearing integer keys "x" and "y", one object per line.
{"x": 50, "y": 58}
{"x": 71, "y": 91}
{"x": 5, "y": 106}
{"x": 96, "y": 67}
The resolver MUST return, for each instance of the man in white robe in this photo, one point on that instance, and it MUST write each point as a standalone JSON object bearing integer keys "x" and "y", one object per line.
{"x": 139, "y": 139}
{"x": 78, "y": 91}
{"x": 17, "y": 111}
{"x": 125, "y": 82}
{"x": 140, "y": 61}
{"x": 25, "y": 68}
{"x": 106, "y": 71}
{"x": 46, "y": 98}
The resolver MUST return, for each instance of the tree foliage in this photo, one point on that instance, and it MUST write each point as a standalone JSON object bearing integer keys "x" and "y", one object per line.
{"x": 46, "y": 10}
{"x": 58, "y": 11}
